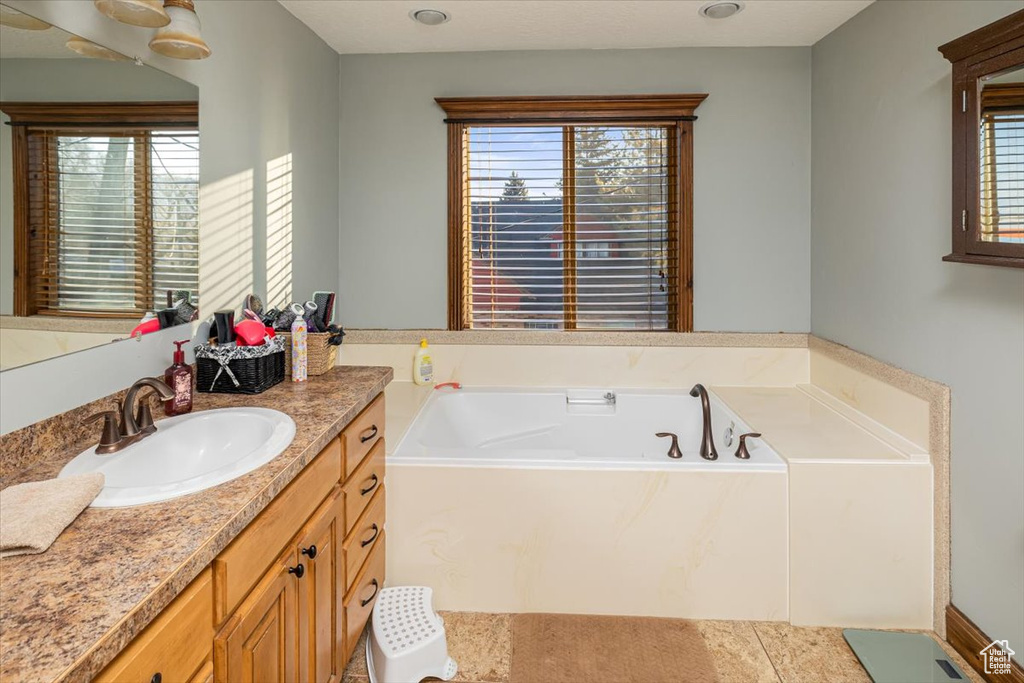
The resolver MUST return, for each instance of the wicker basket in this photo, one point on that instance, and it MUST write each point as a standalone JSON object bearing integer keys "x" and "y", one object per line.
{"x": 320, "y": 356}
{"x": 254, "y": 375}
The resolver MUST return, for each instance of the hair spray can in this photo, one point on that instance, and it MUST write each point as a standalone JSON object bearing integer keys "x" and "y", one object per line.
{"x": 299, "y": 346}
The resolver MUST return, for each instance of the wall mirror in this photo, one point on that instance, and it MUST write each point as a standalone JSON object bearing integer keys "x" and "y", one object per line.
{"x": 99, "y": 194}
{"x": 988, "y": 144}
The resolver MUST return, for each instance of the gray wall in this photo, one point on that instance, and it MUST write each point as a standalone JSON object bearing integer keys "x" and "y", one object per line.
{"x": 269, "y": 90}
{"x": 881, "y": 224}
{"x": 751, "y": 186}
{"x": 66, "y": 80}
{"x": 88, "y": 80}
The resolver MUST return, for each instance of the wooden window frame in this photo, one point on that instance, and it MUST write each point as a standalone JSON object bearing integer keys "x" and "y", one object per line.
{"x": 990, "y": 49}
{"x": 674, "y": 112}
{"x": 72, "y": 116}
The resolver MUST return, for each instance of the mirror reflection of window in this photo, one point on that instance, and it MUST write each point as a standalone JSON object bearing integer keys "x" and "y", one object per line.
{"x": 99, "y": 185}
{"x": 117, "y": 219}
{"x": 1002, "y": 159}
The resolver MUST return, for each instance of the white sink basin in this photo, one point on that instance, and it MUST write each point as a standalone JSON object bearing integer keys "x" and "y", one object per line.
{"x": 188, "y": 453}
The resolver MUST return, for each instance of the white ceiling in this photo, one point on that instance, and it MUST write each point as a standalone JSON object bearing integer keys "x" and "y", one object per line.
{"x": 374, "y": 26}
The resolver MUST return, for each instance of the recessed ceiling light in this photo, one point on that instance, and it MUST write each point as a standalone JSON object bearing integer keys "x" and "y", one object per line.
{"x": 430, "y": 17}
{"x": 721, "y": 10}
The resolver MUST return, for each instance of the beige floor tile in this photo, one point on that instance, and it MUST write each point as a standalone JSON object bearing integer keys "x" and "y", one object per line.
{"x": 357, "y": 665}
{"x": 810, "y": 655}
{"x": 481, "y": 644}
{"x": 737, "y": 652}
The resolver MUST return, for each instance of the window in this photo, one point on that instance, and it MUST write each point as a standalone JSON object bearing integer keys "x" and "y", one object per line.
{"x": 987, "y": 226}
{"x": 1002, "y": 163}
{"x": 570, "y": 213}
{"x": 106, "y": 209}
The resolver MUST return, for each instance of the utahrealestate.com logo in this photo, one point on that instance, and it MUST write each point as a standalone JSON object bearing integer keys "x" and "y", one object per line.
{"x": 997, "y": 657}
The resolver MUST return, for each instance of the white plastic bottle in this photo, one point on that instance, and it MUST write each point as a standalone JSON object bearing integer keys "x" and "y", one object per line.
{"x": 423, "y": 365}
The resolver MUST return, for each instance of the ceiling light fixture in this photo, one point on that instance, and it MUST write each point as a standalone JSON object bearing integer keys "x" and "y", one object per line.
{"x": 430, "y": 17}
{"x": 145, "y": 13}
{"x": 181, "y": 38}
{"x": 15, "y": 19}
{"x": 721, "y": 10}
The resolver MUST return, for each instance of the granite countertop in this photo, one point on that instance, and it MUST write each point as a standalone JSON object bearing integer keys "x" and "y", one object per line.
{"x": 65, "y": 614}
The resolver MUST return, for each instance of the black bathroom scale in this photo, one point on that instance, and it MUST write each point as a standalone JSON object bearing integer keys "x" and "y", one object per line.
{"x": 891, "y": 657}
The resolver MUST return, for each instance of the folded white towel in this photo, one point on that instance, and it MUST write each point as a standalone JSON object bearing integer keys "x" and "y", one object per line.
{"x": 33, "y": 515}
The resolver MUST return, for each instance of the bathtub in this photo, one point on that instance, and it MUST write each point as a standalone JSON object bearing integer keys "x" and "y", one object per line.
{"x": 543, "y": 500}
{"x": 575, "y": 428}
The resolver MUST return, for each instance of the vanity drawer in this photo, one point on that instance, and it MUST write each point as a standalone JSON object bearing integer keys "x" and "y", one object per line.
{"x": 362, "y": 434}
{"x": 367, "y": 532}
{"x": 360, "y": 599}
{"x": 237, "y": 569}
{"x": 363, "y": 483}
{"x": 176, "y": 644}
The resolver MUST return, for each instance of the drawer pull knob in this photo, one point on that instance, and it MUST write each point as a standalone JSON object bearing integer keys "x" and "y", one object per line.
{"x": 157, "y": 678}
{"x": 368, "y": 434}
{"x": 373, "y": 484}
{"x": 299, "y": 571}
{"x": 371, "y": 539}
{"x": 367, "y": 601}
{"x": 309, "y": 552}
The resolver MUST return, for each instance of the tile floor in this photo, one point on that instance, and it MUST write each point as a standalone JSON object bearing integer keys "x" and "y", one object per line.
{"x": 743, "y": 652}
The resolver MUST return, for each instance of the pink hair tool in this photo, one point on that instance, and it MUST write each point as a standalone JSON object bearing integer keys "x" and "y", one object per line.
{"x": 448, "y": 385}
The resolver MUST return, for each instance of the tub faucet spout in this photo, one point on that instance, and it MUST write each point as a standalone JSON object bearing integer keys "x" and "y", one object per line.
{"x": 707, "y": 439}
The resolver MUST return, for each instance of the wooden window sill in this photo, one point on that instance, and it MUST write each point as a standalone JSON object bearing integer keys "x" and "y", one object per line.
{"x": 68, "y": 324}
{"x": 980, "y": 260}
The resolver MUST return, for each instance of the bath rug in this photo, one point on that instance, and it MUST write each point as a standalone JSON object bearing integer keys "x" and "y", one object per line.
{"x": 575, "y": 648}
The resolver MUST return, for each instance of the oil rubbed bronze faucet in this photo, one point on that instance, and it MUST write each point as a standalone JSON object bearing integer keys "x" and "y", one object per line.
{"x": 741, "y": 452}
{"x": 135, "y": 425}
{"x": 130, "y": 422}
{"x": 673, "y": 450}
{"x": 707, "y": 439}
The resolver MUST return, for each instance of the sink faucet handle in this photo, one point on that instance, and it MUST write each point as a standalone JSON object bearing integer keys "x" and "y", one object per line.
{"x": 144, "y": 416}
{"x": 741, "y": 452}
{"x": 111, "y": 437}
{"x": 673, "y": 450}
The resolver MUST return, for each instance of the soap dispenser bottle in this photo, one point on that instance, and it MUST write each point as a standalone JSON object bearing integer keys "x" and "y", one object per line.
{"x": 179, "y": 378}
{"x": 423, "y": 365}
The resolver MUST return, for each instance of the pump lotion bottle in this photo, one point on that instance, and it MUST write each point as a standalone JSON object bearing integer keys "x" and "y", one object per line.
{"x": 179, "y": 378}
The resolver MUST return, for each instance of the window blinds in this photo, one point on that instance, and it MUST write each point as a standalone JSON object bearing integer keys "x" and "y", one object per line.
{"x": 569, "y": 227}
{"x": 1002, "y": 176}
{"x": 113, "y": 219}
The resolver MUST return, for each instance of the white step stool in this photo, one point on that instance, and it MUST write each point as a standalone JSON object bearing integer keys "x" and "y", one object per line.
{"x": 407, "y": 641}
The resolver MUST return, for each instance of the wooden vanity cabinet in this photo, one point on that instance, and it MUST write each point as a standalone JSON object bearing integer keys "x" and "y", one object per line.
{"x": 304, "y": 616}
{"x": 260, "y": 641}
{"x": 289, "y": 597}
{"x": 321, "y": 591}
{"x": 176, "y": 646}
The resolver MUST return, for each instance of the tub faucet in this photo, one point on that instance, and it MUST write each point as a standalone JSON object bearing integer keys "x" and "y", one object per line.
{"x": 707, "y": 439}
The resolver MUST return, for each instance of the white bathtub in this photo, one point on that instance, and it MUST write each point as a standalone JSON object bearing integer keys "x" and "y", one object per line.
{"x": 575, "y": 428}
{"x": 506, "y": 500}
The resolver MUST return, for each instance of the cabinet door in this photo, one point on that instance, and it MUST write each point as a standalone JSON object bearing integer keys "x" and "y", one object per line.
{"x": 259, "y": 642}
{"x": 174, "y": 645}
{"x": 321, "y": 636}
